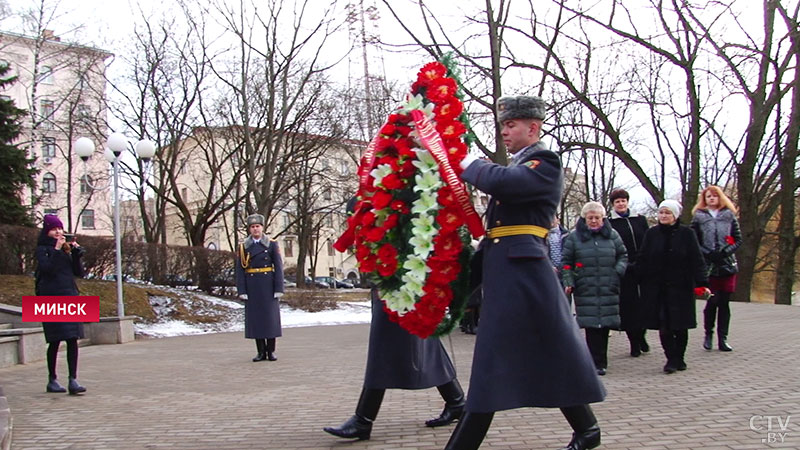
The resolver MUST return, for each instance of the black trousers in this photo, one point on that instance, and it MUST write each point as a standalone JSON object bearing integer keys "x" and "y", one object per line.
{"x": 597, "y": 341}
{"x": 72, "y": 358}
{"x": 674, "y": 344}
{"x": 636, "y": 337}
{"x": 718, "y": 306}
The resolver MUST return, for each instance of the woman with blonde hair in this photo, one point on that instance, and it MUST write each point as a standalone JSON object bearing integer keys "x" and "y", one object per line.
{"x": 719, "y": 235}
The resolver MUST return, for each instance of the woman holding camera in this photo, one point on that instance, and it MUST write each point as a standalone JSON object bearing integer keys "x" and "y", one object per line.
{"x": 719, "y": 235}
{"x": 59, "y": 262}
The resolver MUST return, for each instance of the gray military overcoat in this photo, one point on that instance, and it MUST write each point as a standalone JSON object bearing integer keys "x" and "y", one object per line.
{"x": 262, "y": 315}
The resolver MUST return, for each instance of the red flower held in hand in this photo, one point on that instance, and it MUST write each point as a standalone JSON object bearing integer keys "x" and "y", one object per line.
{"x": 730, "y": 240}
{"x": 578, "y": 265}
{"x": 567, "y": 267}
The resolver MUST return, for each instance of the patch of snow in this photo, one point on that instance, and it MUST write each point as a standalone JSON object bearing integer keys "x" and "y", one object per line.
{"x": 346, "y": 313}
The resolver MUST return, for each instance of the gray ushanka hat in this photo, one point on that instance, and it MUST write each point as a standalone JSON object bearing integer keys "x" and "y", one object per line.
{"x": 253, "y": 219}
{"x": 522, "y": 107}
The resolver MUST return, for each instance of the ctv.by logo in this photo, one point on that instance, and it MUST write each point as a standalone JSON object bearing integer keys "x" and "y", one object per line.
{"x": 775, "y": 427}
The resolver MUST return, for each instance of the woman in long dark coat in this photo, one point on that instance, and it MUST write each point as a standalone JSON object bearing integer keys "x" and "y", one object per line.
{"x": 259, "y": 281}
{"x": 59, "y": 262}
{"x": 671, "y": 266}
{"x": 631, "y": 228}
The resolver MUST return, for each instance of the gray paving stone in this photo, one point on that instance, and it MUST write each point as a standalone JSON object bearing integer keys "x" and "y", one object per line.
{"x": 203, "y": 392}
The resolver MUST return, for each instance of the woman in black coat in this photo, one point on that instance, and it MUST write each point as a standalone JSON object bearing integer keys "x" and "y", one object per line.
{"x": 59, "y": 262}
{"x": 671, "y": 266}
{"x": 631, "y": 228}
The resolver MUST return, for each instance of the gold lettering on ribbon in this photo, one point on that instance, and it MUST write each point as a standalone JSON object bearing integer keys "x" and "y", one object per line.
{"x": 433, "y": 143}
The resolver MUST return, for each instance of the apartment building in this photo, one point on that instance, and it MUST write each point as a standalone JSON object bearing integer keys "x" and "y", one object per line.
{"x": 62, "y": 86}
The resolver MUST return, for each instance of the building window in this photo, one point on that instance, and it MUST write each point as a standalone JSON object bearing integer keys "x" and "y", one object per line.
{"x": 49, "y": 183}
{"x": 87, "y": 219}
{"x": 46, "y": 76}
{"x": 47, "y": 109}
{"x": 83, "y": 112}
{"x": 332, "y": 272}
{"x": 286, "y": 221}
{"x": 326, "y": 195}
{"x": 330, "y": 248}
{"x": 329, "y": 221}
{"x": 287, "y": 248}
{"x": 49, "y": 147}
{"x": 86, "y": 184}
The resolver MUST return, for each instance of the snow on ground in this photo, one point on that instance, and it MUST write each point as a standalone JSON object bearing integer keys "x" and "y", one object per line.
{"x": 232, "y": 314}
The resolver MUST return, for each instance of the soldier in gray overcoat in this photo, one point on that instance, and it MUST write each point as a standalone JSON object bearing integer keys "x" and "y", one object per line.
{"x": 528, "y": 351}
{"x": 396, "y": 359}
{"x": 259, "y": 282}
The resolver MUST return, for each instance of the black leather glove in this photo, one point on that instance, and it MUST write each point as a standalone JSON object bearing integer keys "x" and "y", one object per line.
{"x": 716, "y": 257}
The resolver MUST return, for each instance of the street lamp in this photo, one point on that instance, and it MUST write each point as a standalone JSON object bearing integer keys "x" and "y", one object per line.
{"x": 116, "y": 143}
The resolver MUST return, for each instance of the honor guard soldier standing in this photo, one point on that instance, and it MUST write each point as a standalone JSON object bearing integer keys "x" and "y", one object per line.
{"x": 528, "y": 351}
{"x": 259, "y": 281}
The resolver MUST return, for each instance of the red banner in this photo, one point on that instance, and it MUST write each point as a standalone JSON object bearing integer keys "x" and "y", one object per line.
{"x": 433, "y": 143}
{"x": 51, "y": 308}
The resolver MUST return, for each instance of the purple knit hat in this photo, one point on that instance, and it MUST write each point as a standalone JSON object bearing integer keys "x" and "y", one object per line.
{"x": 51, "y": 221}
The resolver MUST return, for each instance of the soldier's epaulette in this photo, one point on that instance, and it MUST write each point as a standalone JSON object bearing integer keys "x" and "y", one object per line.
{"x": 273, "y": 240}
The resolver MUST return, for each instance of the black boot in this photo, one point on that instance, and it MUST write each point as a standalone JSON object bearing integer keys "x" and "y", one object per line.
{"x": 454, "y": 400}
{"x": 586, "y": 432}
{"x": 74, "y": 387}
{"x": 271, "y": 350}
{"x": 643, "y": 344}
{"x": 723, "y": 344}
{"x": 359, "y": 426}
{"x": 261, "y": 346}
{"x": 54, "y": 386}
{"x": 470, "y": 431}
{"x": 707, "y": 340}
{"x": 355, "y": 427}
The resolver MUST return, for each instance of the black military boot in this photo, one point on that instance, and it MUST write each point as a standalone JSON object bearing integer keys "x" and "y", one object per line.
{"x": 586, "y": 433}
{"x": 271, "y": 350}
{"x": 262, "y": 350}
{"x": 470, "y": 431}
{"x": 359, "y": 426}
{"x": 54, "y": 386}
{"x": 454, "y": 402}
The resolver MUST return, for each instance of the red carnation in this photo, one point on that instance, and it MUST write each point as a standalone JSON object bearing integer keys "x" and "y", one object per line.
{"x": 431, "y": 71}
{"x": 375, "y": 234}
{"x": 388, "y": 129}
{"x": 391, "y": 221}
{"x": 408, "y": 169}
{"x": 567, "y": 267}
{"x": 449, "y": 109}
{"x": 362, "y": 251}
{"x": 368, "y": 264}
{"x": 730, "y": 240}
{"x": 387, "y": 268}
{"x": 449, "y": 219}
{"x": 387, "y": 252}
{"x": 368, "y": 219}
{"x": 447, "y": 244}
{"x": 392, "y": 181}
{"x": 400, "y": 206}
{"x": 381, "y": 199}
{"x": 578, "y": 265}
{"x": 441, "y": 89}
{"x": 699, "y": 291}
{"x": 451, "y": 129}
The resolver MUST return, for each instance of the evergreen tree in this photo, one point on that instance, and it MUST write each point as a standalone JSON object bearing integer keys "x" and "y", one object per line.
{"x": 17, "y": 170}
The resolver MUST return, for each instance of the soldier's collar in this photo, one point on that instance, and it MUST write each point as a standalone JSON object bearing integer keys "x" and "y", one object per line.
{"x": 250, "y": 241}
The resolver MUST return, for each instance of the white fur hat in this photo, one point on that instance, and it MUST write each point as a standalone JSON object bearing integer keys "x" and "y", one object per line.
{"x": 673, "y": 206}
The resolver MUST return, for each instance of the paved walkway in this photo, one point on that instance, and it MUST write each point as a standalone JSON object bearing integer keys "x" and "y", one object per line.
{"x": 202, "y": 392}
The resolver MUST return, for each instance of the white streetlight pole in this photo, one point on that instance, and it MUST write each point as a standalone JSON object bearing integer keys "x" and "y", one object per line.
{"x": 117, "y": 143}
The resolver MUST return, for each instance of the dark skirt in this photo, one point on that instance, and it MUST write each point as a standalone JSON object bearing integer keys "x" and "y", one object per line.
{"x": 62, "y": 331}
{"x": 722, "y": 284}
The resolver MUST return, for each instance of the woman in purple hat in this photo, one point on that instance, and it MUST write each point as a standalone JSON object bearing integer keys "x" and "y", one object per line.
{"x": 59, "y": 262}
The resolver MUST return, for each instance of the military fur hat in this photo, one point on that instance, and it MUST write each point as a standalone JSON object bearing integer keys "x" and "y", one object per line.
{"x": 522, "y": 107}
{"x": 253, "y": 219}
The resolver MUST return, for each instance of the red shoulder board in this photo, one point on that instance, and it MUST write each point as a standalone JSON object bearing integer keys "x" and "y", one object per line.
{"x": 532, "y": 164}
